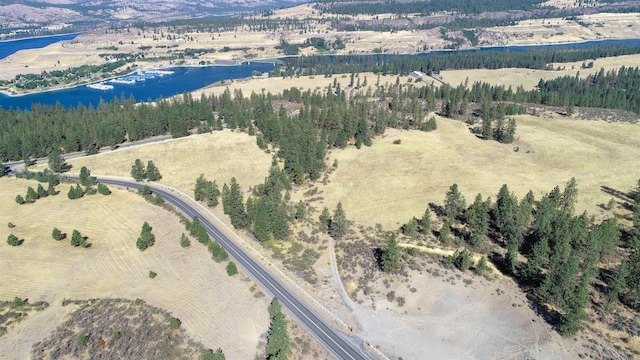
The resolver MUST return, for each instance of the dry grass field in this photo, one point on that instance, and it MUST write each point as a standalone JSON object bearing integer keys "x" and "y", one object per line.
{"x": 388, "y": 184}
{"x": 219, "y": 156}
{"x": 559, "y": 30}
{"x": 215, "y": 309}
{"x": 528, "y": 78}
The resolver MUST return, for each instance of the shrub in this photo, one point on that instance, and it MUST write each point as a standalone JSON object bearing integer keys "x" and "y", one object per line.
{"x": 152, "y": 274}
{"x": 397, "y": 142}
{"x": 116, "y": 335}
{"x": 103, "y": 189}
{"x": 17, "y": 302}
{"x": 184, "y": 241}
{"x": 83, "y": 340}
{"x": 56, "y": 234}
{"x": 481, "y": 266}
{"x": 174, "y": 323}
{"x": 13, "y": 240}
{"x": 11, "y": 225}
{"x": 232, "y": 269}
{"x": 20, "y": 199}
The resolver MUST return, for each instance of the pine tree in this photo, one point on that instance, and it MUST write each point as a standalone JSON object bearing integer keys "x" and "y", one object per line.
{"x": 51, "y": 190}
{"x": 153, "y": 174}
{"x": 234, "y": 206}
{"x": 212, "y": 193}
{"x": 103, "y": 189}
{"x": 199, "y": 192}
{"x": 617, "y": 284}
{"x": 146, "y": 238}
{"x": 338, "y": 225}
{"x": 454, "y": 203}
{"x": 425, "y": 222}
{"x": 78, "y": 240}
{"x": 391, "y": 256}
{"x": 532, "y": 270}
{"x": 569, "y": 196}
{"x": 32, "y": 196}
{"x": 301, "y": 211}
{"x": 505, "y": 211}
{"x": 325, "y": 218}
{"x": 137, "y": 171}
{"x": 511, "y": 257}
{"x": 278, "y": 341}
{"x": 56, "y": 162}
{"x": 445, "y": 234}
{"x": 85, "y": 177}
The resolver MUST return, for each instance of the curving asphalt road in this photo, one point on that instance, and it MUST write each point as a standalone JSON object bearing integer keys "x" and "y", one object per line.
{"x": 337, "y": 343}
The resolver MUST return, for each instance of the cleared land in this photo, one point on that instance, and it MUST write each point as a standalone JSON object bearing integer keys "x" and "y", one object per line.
{"x": 215, "y": 309}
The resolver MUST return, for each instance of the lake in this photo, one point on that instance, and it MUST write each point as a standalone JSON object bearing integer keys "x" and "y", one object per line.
{"x": 182, "y": 79}
{"x": 11, "y": 46}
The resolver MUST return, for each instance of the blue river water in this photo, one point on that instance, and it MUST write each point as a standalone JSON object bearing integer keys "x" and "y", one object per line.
{"x": 192, "y": 78}
{"x": 9, "y": 47}
{"x": 183, "y": 79}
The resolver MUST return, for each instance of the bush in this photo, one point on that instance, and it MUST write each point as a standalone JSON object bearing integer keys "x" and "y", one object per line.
{"x": 17, "y": 302}
{"x": 152, "y": 274}
{"x": 232, "y": 269}
{"x": 184, "y": 241}
{"x": 174, "y": 323}
{"x": 397, "y": 142}
{"x": 11, "y": 225}
{"x": 20, "y": 199}
{"x": 83, "y": 340}
{"x": 13, "y": 240}
{"x": 103, "y": 189}
{"x": 481, "y": 266}
{"x": 56, "y": 234}
{"x": 116, "y": 335}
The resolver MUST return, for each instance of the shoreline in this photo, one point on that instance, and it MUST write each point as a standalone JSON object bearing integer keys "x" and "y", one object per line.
{"x": 161, "y": 65}
{"x": 39, "y": 37}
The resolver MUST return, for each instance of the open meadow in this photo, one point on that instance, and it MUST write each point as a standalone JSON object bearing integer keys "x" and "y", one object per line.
{"x": 390, "y": 183}
{"x": 215, "y": 309}
{"x": 219, "y": 156}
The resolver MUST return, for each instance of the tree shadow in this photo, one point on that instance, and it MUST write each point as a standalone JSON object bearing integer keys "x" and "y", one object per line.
{"x": 551, "y": 316}
{"x": 377, "y": 254}
{"x": 437, "y": 209}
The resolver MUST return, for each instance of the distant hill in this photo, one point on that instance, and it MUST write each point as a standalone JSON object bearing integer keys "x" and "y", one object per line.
{"x": 20, "y": 18}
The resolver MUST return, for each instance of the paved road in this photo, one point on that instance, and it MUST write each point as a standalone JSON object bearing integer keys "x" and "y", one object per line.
{"x": 13, "y": 166}
{"x": 341, "y": 346}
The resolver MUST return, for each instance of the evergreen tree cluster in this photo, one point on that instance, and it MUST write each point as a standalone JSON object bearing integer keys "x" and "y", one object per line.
{"x": 206, "y": 190}
{"x": 267, "y": 208}
{"x": 196, "y": 229}
{"x": 32, "y": 195}
{"x": 563, "y": 250}
{"x": 77, "y": 240}
{"x": 278, "y": 340}
{"x": 146, "y": 238}
{"x": 139, "y": 173}
{"x": 75, "y": 192}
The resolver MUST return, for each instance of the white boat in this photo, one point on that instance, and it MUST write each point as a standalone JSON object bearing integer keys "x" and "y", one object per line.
{"x": 100, "y": 86}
